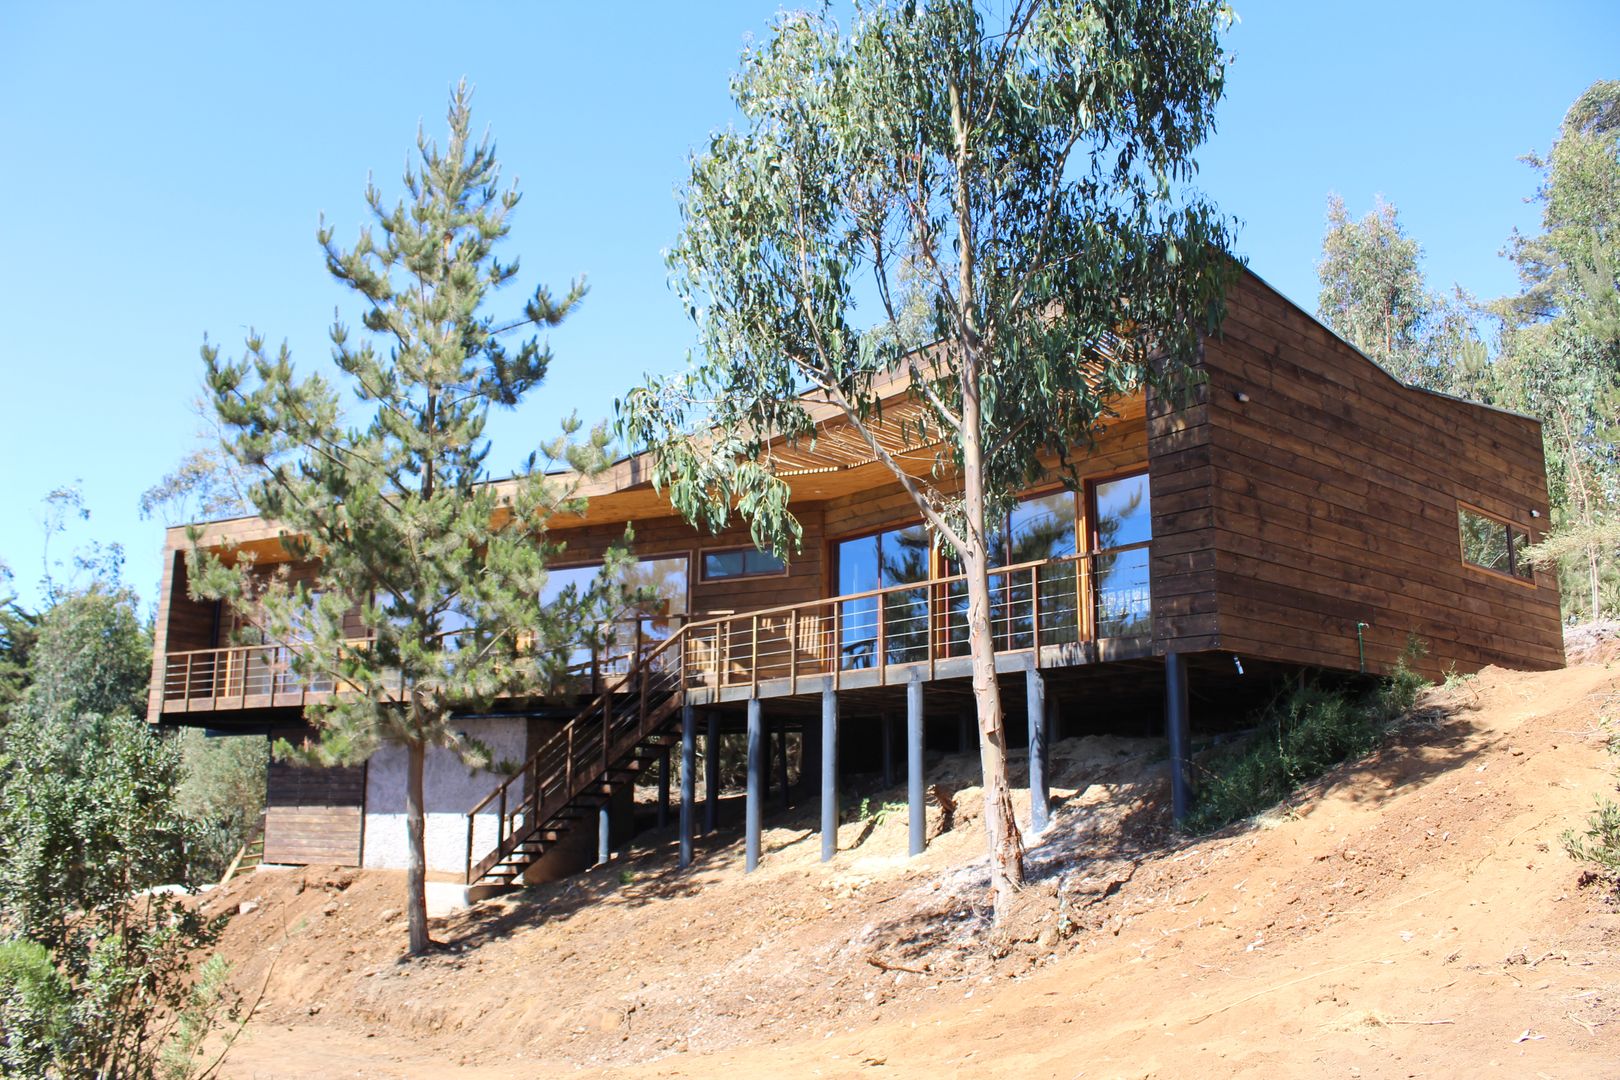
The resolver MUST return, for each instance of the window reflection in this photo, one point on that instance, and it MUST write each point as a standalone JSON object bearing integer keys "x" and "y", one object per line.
{"x": 868, "y": 563}
{"x": 1123, "y": 599}
{"x": 655, "y": 590}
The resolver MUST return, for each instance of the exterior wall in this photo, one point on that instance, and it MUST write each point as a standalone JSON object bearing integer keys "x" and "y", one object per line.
{"x": 1122, "y": 446}
{"x": 1334, "y": 501}
{"x": 672, "y": 535}
{"x": 1181, "y": 478}
{"x": 449, "y": 790}
{"x": 313, "y": 815}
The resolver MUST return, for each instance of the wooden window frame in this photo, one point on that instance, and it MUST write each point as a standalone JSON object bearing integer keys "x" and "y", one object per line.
{"x": 1494, "y": 574}
{"x": 703, "y": 569}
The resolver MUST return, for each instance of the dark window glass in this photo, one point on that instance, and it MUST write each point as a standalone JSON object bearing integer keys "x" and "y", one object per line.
{"x": 744, "y": 562}
{"x": 1493, "y": 545}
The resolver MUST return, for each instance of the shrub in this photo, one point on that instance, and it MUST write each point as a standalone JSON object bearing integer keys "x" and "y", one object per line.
{"x": 1301, "y": 735}
{"x": 1599, "y": 845}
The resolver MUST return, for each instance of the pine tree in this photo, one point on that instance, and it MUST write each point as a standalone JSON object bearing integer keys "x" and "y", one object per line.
{"x": 443, "y": 567}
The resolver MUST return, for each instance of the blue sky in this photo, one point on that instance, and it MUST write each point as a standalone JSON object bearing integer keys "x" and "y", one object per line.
{"x": 165, "y": 174}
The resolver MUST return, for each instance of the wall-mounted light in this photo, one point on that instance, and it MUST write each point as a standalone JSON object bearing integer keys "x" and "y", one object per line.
{"x": 1535, "y": 513}
{"x": 1242, "y": 398}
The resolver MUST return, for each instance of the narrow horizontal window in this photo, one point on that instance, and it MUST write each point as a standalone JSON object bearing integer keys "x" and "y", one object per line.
{"x": 740, "y": 562}
{"x": 1492, "y": 544}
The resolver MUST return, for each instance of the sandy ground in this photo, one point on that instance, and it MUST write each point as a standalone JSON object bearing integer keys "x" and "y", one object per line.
{"x": 1412, "y": 915}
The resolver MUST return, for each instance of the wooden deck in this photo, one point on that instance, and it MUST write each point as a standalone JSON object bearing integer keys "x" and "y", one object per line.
{"x": 1043, "y": 614}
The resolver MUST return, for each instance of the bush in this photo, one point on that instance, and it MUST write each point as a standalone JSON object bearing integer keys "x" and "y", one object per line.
{"x": 1599, "y": 845}
{"x": 1301, "y": 735}
{"x": 223, "y": 794}
{"x": 89, "y": 824}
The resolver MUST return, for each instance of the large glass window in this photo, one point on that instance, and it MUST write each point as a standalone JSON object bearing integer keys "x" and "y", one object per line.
{"x": 1493, "y": 545}
{"x": 1039, "y": 528}
{"x": 656, "y": 591}
{"x": 1122, "y": 525}
{"x": 868, "y": 563}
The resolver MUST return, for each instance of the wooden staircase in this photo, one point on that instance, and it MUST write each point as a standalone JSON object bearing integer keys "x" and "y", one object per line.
{"x": 580, "y": 767}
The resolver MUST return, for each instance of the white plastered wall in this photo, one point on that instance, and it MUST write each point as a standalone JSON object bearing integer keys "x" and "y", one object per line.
{"x": 450, "y": 789}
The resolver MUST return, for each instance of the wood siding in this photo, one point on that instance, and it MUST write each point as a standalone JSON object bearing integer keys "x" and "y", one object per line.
{"x": 313, "y": 815}
{"x": 1181, "y": 481}
{"x": 1331, "y": 495}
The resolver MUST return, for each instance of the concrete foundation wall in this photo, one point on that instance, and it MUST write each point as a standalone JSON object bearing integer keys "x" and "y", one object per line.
{"x": 450, "y": 789}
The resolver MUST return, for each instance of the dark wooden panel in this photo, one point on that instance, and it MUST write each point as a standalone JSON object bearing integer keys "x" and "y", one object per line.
{"x": 313, "y": 814}
{"x": 1334, "y": 503}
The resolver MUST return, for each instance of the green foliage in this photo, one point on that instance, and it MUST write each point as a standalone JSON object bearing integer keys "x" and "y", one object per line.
{"x": 35, "y": 1008}
{"x": 1374, "y": 295}
{"x": 18, "y": 630}
{"x": 1301, "y": 735}
{"x": 444, "y": 568}
{"x": 90, "y": 656}
{"x": 95, "y": 973}
{"x": 1598, "y": 845}
{"x": 223, "y": 793}
{"x": 1560, "y": 352}
{"x": 963, "y": 172}
{"x": 87, "y": 818}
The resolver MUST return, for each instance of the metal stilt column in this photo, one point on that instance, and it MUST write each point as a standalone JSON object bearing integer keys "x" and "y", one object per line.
{"x": 756, "y": 784}
{"x": 1178, "y": 730}
{"x": 914, "y": 766}
{"x": 688, "y": 780}
{"x": 829, "y": 773}
{"x": 1039, "y": 793}
{"x": 711, "y": 774}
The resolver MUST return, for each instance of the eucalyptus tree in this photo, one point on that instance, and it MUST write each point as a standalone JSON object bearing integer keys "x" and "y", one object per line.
{"x": 442, "y": 568}
{"x": 1020, "y": 164}
{"x": 1560, "y": 354}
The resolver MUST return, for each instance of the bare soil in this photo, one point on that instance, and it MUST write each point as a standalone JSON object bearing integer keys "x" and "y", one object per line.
{"x": 1411, "y": 915}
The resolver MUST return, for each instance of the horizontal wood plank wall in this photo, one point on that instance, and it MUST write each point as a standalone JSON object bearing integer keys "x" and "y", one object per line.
{"x": 674, "y": 536}
{"x": 181, "y": 624}
{"x": 1121, "y": 446}
{"x": 313, "y": 815}
{"x": 1335, "y": 493}
{"x": 1181, "y": 480}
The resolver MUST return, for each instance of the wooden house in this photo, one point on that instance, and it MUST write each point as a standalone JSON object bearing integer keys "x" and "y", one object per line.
{"x": 1306, "y": 511}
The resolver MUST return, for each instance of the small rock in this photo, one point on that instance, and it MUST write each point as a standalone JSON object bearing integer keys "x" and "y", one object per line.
{"x": 331, "y": 908}
{"x": 390, "y": 914}
{"x": 246, "y": 906}
{"x": 1047, "y": 939}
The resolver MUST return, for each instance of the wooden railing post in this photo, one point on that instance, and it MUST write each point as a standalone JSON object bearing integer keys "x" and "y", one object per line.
{"x": 882, "y": 654}
{"x": 607, "y": 722}
{"x": 470, "y": 819}
{"x": 568, "y": 765}
{"x": 837, "y": 647}
{"x": 1035, "y": 611}
{"x": 753, "y": 656}
{"x": 185, "y": 694}
{"x": 793, "y": 651}
{"x": 641, "y": 677}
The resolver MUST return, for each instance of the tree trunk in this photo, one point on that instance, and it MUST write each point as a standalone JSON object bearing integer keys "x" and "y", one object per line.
{"x": 416, "y": 875}
{"x": 1006, "y": 844}
{"x": 1592, "y": 567}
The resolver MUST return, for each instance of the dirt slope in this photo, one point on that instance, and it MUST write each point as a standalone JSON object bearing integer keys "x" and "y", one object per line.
{"x": 1412, "y": 916}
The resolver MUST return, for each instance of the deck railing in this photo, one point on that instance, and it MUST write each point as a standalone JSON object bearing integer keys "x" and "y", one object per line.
{"x": 1034, "y": 605}
{"x": 1051, "y": 602}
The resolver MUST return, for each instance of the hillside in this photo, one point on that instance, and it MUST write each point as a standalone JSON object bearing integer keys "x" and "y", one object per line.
{"x": 1413, "y": 915}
